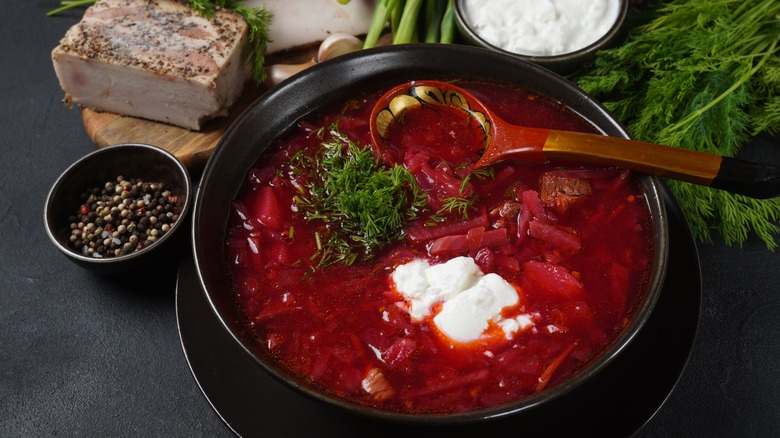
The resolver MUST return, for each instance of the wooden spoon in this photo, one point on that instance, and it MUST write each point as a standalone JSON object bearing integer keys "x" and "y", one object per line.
{"x": 504, "y": 141}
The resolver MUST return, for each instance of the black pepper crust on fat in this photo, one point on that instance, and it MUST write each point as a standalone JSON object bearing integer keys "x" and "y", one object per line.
{"x": 157, "y": 36}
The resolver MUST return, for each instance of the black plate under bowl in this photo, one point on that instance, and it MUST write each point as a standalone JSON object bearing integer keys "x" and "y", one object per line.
{"x": 616, "y": 402}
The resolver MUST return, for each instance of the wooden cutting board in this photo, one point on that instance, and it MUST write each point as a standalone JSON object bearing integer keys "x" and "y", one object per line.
{"x": 193, "y": 148}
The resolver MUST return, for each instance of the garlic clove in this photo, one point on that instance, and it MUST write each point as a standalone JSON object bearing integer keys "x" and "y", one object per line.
{"x": 334, "y": 45}
{"x": 279, "y": 72}
{"x": 338, "y": 44}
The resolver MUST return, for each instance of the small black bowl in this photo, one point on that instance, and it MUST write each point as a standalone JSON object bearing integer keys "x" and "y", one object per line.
{"x": 562, "y": 64}
{"x": 140, "y": 161}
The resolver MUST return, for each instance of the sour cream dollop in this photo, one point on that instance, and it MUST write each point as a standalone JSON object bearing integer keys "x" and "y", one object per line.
{"x": 470, "y": 300}
{"x": 541, "y": 27}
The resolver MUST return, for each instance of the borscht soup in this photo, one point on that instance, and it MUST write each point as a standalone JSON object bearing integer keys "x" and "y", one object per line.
{"x": 399, "y": 277}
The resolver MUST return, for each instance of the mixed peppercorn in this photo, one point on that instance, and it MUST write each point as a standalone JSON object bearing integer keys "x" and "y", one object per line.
{"x": 121, "y": 217}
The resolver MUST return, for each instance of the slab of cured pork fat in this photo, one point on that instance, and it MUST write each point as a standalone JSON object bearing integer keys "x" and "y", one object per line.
{"x": 154, "y": 59}
{"x": 314, "y": 20}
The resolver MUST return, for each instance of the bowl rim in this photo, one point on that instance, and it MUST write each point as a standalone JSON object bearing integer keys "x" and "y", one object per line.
{"x": 400, "y": 61}
{"x": 552, "y": 61}
{"x": 58, "y": 187}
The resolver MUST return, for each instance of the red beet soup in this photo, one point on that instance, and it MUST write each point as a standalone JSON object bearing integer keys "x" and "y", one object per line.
{"x": 415, "y": 284}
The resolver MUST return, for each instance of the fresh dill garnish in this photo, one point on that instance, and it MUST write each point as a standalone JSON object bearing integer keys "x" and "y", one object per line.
{"x": 463, "y": 184}
{"x": 258, "y": 20}
{"x": 701, "y": 75}
{"x": 457, "y": 204}
{"x": 484, "y": 173}
{"x": 462, "y": 204}
{"x": 257, "y": 42}
{"x": 69, "y": 4}
{"x": 362, "y": 204}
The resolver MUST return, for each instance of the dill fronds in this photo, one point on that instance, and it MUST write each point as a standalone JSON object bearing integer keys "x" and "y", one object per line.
{"x": 701, "y": 75}
{"x": 362, "y": 204}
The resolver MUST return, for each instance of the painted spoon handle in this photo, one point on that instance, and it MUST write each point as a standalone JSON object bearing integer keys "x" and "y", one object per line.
{"x": 757, "y": 180}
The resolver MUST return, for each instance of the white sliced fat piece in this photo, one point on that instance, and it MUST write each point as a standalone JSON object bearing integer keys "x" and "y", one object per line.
{"x": 157, "y": 60}
{"x": 300, "y": 23}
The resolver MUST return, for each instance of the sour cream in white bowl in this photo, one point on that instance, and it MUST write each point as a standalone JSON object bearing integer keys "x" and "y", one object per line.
{"x": 557, "y": 34}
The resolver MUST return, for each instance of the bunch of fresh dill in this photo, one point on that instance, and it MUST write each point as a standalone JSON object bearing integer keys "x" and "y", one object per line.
{"x": 258, "y": 20}
{"x": 702, "y": 75}
{"x": 362, "y": 203}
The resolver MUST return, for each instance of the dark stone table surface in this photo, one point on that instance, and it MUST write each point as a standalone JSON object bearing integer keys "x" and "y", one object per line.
{"x": 83, "y": 355}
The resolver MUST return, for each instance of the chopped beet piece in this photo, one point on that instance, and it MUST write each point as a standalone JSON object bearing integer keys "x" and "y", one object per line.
{"x": 556, "y": 280}
{"x": 449, "y": 245}
{"x": 423, "y": 233}
{"x": 399, "y": 352}
{"x": 555, "y": 237}
{"x": 464, "y": 244}
{"x": 267, "y": 208}
{"x": 485, "y": 258}
{"x": 619, "y": 281}
{"x": 533, "y": 204}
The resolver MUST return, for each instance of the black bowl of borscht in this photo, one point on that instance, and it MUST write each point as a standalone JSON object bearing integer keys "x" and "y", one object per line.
{"x": 418, "y": 289}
